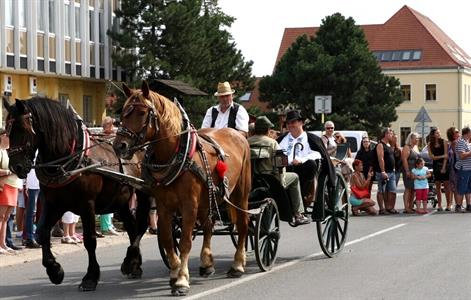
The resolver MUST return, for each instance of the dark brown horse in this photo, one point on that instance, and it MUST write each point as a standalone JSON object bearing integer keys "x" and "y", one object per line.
{"x": 185, "y": 183}
{"x": 55, "y": 132}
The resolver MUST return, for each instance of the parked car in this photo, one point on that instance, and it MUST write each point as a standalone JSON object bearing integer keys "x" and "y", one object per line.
{"x": 353, "y": 137}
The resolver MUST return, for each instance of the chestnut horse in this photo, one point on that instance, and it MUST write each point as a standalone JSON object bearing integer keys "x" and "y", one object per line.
{"x": 57, "y": 134}
{"x": 184, "y": 183}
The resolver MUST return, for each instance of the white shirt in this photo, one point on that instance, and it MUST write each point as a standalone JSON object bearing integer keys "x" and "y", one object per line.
{"x": 32, "y": 181}
{"x": 241, "y": 122}
{"x": 303, "y": 155}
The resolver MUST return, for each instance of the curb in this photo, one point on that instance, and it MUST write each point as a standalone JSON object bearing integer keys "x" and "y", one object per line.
{"x": 58, "y": 249}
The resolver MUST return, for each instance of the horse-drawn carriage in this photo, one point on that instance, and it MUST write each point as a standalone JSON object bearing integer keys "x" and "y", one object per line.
{"x": 190, "y": 173}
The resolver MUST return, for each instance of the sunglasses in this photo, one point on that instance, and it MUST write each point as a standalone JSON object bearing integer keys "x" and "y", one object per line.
{"x": 328, "y": 128}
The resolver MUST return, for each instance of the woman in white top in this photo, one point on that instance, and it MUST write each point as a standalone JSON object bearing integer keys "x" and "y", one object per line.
{"x": 329, "y": 139}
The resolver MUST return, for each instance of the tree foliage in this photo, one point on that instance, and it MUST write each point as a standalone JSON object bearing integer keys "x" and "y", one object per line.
{"x": 180, "y": 39}
{"x": 336, "y": 62}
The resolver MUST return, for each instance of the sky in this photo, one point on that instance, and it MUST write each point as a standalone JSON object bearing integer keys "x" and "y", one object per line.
{"x": 260, "y": 24}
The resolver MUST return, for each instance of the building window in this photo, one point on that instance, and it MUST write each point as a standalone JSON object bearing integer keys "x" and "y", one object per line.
{"x": 52, "y": 47}
{"x": 87, "y": 109}
{"x": 430, "y": 92}
{"x": 92, "y": 54}
{"x": 40, "y": 51}
{"x": 78, "y": 51}
{"x": 417, "y": 55}
{"x": 9, "y": 17}
{"x": 63, "y": 99}
{"x": 23, "y": 43}
{"x": 77, "y": 21}
{"x": 404, "y": 133}
{"x": 405, "y": 91}
{"x": 67, "y": 50}
{"x": 22, "y": 13}
{"x": 90, "y": 24}
{"x": 52, "y": 10}
{"x": 40, "y": 18}
{"x": 101, "y": 26}
{"x": 67, "y": 19}
{"x": 10, "y": 41}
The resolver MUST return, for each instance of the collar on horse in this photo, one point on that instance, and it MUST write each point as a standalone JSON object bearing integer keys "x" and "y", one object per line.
{"x": 55, "y": 176}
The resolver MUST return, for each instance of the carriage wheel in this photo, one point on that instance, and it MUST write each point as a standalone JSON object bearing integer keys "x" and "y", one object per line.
{"x": 267, "y": 235}
{"x": 249, "y": 241}
{"x": 176, "y": 234}
{"x": 332, "y": 231}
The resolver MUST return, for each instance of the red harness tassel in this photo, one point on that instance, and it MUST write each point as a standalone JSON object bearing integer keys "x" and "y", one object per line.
{"x": 221, "y": 168}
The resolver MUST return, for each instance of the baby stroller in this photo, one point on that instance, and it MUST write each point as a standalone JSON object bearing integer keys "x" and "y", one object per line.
{"x": 432, "y": 192}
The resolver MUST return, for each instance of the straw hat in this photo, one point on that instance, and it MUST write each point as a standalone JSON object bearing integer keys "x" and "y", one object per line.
{"x": 224, "y": 88}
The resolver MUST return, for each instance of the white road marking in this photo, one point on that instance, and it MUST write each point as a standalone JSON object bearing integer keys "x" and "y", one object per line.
{"x": 285, "y": 265}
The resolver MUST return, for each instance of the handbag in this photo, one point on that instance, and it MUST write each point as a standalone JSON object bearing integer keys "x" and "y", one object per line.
{"x": 360, "y": 193}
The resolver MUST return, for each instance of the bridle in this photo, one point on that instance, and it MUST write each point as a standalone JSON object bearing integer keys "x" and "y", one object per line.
{"x": 25, "y": 148}
{"x": 137, "y": 138}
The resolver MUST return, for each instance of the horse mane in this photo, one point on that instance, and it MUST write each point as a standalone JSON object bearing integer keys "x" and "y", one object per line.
{"x": 169, "y": 112}
{"x": 56, "y": 123}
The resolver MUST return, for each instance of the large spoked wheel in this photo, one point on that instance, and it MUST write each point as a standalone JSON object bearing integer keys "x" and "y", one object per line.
{"x": 267, "y": 235}
{"x": 176, "y": 234}
{"x": 332, "y": 231}
{"x": 249, "y": 241}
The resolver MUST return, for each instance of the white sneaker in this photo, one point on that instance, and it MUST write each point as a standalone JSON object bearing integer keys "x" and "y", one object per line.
{"x": 68, "y": 240}
{"x": 111, "y": 231}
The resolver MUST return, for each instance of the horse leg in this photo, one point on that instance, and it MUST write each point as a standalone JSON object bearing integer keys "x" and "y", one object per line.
{"x": 206, "y": 256}
{"x": 131, "y": 265}
{"x": 166, "y": 238}
{"x": 238, "y": 266}
{"x": 90, "y": 280}
{"x": 182, "y": 285}
{"x": 49, "y": 217}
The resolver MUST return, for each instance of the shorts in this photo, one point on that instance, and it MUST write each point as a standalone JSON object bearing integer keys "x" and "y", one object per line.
{"x": 354, "y": 201}
{"x": 388, "y": 185}
{"x": 69, "y": 218}
{"x": 464, "y": 181}
{"x": 421, "y": 194}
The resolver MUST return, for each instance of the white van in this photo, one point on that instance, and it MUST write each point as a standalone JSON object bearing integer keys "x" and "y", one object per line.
{"x": 354, "y": 138}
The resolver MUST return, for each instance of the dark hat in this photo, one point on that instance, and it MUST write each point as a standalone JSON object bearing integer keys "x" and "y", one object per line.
{"x": 293, "y": 115}
{"x": 262, "y": 122}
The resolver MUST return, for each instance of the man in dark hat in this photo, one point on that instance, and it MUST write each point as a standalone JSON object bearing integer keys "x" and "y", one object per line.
{"x": 290, "y": 181}
{"x": 303, "y": 150}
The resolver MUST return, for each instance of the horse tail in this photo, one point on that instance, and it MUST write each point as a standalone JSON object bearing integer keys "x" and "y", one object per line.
{"x": 244, "y": 185}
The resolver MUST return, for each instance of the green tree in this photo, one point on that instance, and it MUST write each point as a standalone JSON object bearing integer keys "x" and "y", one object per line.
{"x": 185, "y": 40}
{"x": 336, "y": 62}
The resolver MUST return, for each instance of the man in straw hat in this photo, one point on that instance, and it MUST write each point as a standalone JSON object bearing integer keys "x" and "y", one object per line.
{"x": 290, "y": 181}
{"x": 227, "y": 113}
{"x": 303, "y": 150}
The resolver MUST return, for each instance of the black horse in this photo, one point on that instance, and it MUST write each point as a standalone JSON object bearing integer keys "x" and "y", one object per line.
{"x": 64, "y": 151}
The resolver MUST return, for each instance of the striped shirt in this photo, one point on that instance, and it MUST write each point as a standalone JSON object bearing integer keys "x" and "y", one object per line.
{"x": 462, "y": 147}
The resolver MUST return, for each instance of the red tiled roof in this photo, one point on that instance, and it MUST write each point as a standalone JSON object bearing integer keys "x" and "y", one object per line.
{"x": 407, "y": 29}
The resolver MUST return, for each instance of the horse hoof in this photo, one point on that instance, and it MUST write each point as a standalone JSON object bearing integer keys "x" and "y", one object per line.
{"x": 87, "y": 285}
{"x": 233, "y": 273}
{"x": 55, "y": 273}
{"x": 172, "y": 282}
{"x": 208, "y": 271}
{"x": 180, "y": 291}
{"x": 136, "y": 274}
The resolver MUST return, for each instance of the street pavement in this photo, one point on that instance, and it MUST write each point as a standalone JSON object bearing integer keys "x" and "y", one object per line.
{"x": 386, "y": 257}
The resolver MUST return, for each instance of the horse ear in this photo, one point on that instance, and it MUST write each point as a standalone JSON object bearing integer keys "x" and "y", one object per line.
{"x": 6, "y": 103}
{"x": 20, "y": 106}
{"x": 145, "y": 89}
{"x": 127, "y": 90}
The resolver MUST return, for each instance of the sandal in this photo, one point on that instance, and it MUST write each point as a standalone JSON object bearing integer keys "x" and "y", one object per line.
{"x": 392, "y": 211}
{"x": 383, "y": 212}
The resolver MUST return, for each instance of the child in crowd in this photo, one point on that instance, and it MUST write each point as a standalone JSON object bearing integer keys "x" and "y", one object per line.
{"x": 69, "y": 220}
{"x": 420, "y": 174}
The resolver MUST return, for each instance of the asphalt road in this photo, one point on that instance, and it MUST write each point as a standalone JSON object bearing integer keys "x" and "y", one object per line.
{"x": 386, "y": 257}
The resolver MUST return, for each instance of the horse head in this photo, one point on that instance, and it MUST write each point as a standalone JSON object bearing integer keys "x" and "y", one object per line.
{"x": 23, "y": 139}
{"x": 138, "y": 121}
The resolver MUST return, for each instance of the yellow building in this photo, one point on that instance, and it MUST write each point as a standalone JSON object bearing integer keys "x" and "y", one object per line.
{"x": 58, "y": 49}
{"x": 435, "y": 73}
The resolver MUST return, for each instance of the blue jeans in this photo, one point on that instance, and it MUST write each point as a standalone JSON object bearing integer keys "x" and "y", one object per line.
{"x": 30, "y": 212}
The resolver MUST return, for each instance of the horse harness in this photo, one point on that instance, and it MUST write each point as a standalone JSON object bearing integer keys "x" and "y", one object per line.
{"x": 189, "y": 143}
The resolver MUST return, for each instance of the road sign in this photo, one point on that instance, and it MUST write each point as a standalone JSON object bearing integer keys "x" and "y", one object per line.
{"x": 323, "y": 104}
{"x": 422, "y": 116}
{"x": 422, "y": 129}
